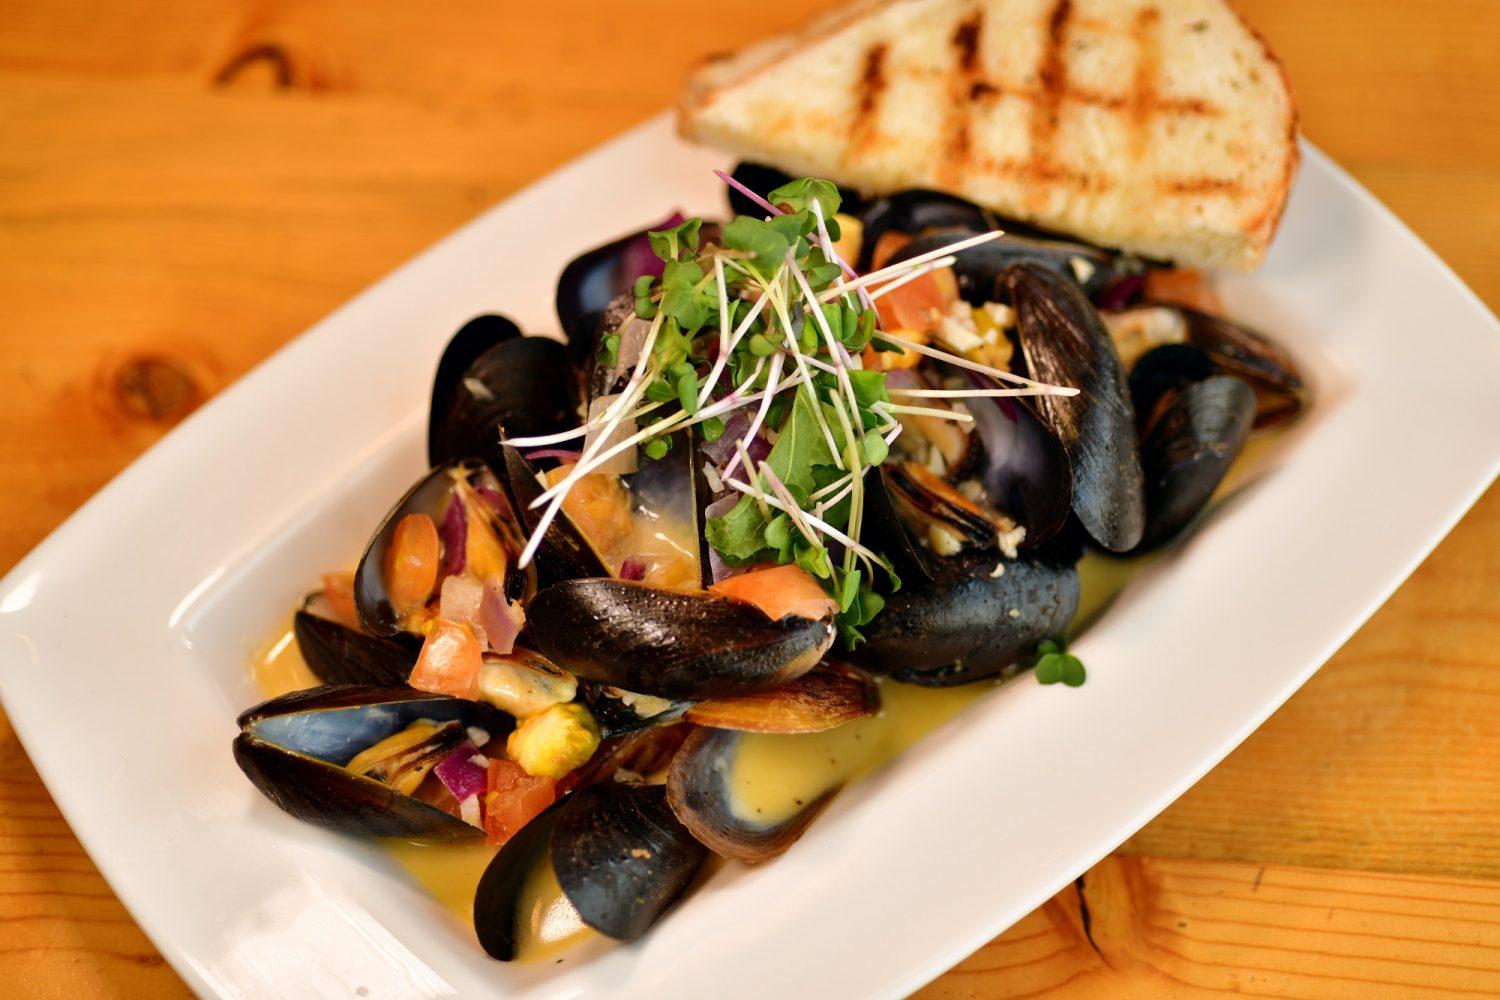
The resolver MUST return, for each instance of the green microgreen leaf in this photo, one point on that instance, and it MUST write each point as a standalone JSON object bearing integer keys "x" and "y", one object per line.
{"x": 874, "y": 449}
{"x": 669, "y": 244}
{"x": 687, "y": 391}
{"x": 798, "y": 196}
{"x": 657, "y": 447}
{"x": 644, "y": 307}
{"x": 712, "y": 429}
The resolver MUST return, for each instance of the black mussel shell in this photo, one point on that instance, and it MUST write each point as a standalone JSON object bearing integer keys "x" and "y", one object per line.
{"x": 338, "y": 654}
{"x": 968, "y": 623}
{"x": 671, "y": 644}
{"x": 518, "y": 387}
{"x": 888, "y": 533}
{"x": 619, "y": 854}
{"x": 918, "y": 212}
{"x": 429, "y": 496}
{"x": 1188, "y": 449}
{"x": 1160, "y": 373}
{"x": 294, "y": 749}
{"x": 700, "y": 791}
{"x": 619, "y": 712}
{"x": 564, "y": 552}
{"x": 1264, "y": 365}
{"x": 828, "y": 695}
{"x": 980, "y": 268}
{"x": 474, "y": 338}
{"x": 1065, "y": 343}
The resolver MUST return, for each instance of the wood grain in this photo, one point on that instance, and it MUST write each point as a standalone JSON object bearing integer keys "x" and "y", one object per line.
{"x": 183, "y": 188}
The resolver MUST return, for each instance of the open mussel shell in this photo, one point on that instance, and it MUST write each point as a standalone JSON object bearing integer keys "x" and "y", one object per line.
{"x": 518, "y": 386}
{"x": 978, "y": 615}
{"x": 1065, "y": 343}
{"x": 619, "y": 854}
{"x": 979, "y": 269}
{"x": 700, "y": 788}
{"x": 294, "y": 749}
{"x": 338, "y": 654}
{"x": 1188, "y": 449}
{"x": 565, "y": 553}
{"x": 1023, "y": 467}
{"x": 1262, "y": 364}
{"x": 1160, "y": 373}
{"x": 828, "y": 695}
{"x": 430, "y": 496}
{"x": 672, "y": 644}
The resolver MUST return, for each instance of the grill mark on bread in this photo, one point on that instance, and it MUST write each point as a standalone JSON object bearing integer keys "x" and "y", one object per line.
{"x": 868, "y": 91}
{"x": 1199, "y": 185}
{"x": 1145, "y": 32}
{"x": 1052, "y": 78}
{"x": 966, "y": 88}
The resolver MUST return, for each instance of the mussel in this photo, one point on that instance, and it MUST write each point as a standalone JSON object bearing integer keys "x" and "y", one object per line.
{"x": 592, "y": 279}
{"x": 917, "y": 212}
{"x": 493, "y": 382}
{"x": 455, "y": 520}
{"x": 672, "y": 644}
{"x": 565, "y": 552}
{"x": 977, "y": 615}
{"x": 619, "y": 711}
{"x": 619, "y": 855}
{"x": 700, "y": 790}
{"x": 339, "y": 654}
{"x": 763, "y": 179}
{"x": 1229, "y": 348}
{"x": 1188, "y": 449}
{"x": 1065, "y": 343}
{"x": 828, "y": 695}
{"x": 296, "y": 749}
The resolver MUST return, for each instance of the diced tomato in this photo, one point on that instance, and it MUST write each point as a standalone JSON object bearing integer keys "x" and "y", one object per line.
{"x": 513, "y": 799}
{"x": 1181, "y": 286}
{"x": 914, "y": 309}
{"x": 338, "y": 591}
{"x": 412, "y": 562}
{"x": 779, "y": 591}
{"x": 449, "y": 662}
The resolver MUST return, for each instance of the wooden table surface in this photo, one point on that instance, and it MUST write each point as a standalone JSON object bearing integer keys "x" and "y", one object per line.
{"x": 186, "y": 185}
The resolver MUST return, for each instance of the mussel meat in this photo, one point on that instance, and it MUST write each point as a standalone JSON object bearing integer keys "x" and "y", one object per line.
{"x": 454, "y": 522}
{"x": 617, "y": 852}
{"x": 297, "y": 749}
{"x": 672, "y": 644}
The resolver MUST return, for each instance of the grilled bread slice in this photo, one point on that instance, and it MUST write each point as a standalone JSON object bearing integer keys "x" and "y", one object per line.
{"x": 1161, "y": 127}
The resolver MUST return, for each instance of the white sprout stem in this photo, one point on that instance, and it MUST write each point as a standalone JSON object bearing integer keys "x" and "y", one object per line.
{"x": 789, "y": 505}
{"x": 962, "y": 362}
{"x": 865, "y": 299}
{"x": 914, "y": 274}
{"x": 718, "y": 367}
{"x": 972, "y": 393}
{"x": 886, "y": 273}
{"x": 828, "y": 338}
{"x": 823, "y": 505}
{"x": 790, "y": 339}
{"x": 724, "y": 355}
{"x": 841, "y": 480}
{"x": 760, "y": 414}
{"x": 580, "y": 431}
{"x": 925, "y": 411}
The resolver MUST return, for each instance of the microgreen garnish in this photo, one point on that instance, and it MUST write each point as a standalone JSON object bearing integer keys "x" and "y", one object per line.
{"x": 768, "y": 319}
{"x": 1055, "y": 664}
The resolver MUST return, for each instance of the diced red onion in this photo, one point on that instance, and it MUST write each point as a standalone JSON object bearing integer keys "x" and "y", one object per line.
{"x": 561, "y": 454}
{"x": 633, "y": 568}
{"x": 460, "y": 775}
{"x": 501, "y": 620}
{"x": 495, "y": 499}
{"x": 454, "y": 534}
{"x": 1119, "y": 294}
{"x": 637, "y": 257}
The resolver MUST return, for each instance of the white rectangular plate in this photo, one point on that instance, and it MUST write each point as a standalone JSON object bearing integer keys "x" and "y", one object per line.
{"x": 124, "y": 637}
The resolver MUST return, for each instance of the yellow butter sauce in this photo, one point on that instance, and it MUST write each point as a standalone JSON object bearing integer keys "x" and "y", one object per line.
{"x": 278, "y": 667}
